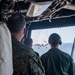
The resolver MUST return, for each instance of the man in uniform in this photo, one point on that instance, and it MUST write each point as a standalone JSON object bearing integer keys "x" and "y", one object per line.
{"x": 24, "y": 60}
{"x": 55, "y": 61}
{"x": 28, "y": 42}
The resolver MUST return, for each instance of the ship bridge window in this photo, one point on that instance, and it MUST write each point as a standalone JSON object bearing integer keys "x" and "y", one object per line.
{"x": 40, "y": 39}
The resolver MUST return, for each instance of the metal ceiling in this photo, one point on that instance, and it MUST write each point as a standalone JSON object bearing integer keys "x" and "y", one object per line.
{"x": 58, "y": 9}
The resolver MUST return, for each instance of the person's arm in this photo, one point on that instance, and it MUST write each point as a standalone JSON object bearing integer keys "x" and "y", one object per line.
{"x": 36, "y": 68}
{"x": 72, "y": 67}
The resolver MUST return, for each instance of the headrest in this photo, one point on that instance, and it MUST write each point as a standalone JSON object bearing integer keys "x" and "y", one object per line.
{"x": 6, "y": 67}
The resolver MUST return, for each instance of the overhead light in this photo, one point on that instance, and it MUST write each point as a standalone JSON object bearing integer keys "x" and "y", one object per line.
{"x": 69, "y": 6}
{"x": 37, "y": 9}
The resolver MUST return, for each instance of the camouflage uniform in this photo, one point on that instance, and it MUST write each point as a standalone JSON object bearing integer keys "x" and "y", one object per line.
{"x": 25, "y": 61}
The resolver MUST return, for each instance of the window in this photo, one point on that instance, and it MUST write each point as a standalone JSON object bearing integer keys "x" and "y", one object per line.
{"x": 40, "y": 39}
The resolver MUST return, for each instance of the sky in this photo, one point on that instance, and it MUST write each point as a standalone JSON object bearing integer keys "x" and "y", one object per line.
{"x": 41, "y": 36}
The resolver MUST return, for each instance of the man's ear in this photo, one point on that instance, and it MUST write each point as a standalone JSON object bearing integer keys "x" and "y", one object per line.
{"x": 48, "y": 41}
{"x": 24, "y": 31}
{"x": 31, "y": 45}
